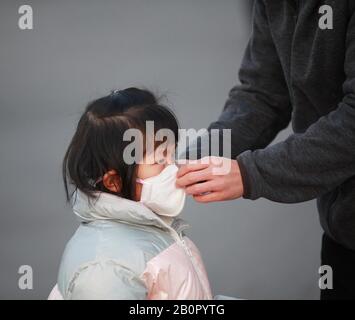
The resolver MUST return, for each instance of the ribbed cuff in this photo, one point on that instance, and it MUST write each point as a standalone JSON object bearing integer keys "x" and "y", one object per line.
{"x": 245, "y": 161}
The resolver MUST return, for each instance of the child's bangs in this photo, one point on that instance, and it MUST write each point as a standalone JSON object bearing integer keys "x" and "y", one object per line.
{"x": 159, "y": 128}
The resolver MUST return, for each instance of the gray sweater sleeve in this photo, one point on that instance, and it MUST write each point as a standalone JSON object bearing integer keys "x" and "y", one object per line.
{"x": 259, "y": 107}
{"x": 310, "y": 164}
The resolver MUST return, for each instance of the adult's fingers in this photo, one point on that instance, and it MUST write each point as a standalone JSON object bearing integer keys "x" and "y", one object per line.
{"x": 204, "y": 187}
{"x": 210, "y": 197}
{"x": 193, "y": 177}
{"x": 191, "y": 165}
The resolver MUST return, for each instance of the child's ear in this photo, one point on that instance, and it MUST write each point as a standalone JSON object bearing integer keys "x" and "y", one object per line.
{"x": 112, "y": 181}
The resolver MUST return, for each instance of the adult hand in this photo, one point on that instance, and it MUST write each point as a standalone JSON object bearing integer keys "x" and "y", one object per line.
{"x": 207, "y": 182}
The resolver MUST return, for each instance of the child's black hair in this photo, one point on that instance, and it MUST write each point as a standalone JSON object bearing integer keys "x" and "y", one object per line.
{"x": 98, "y": 144}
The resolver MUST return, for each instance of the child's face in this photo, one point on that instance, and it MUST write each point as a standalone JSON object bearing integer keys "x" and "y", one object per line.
{"x": 152, "y": 165}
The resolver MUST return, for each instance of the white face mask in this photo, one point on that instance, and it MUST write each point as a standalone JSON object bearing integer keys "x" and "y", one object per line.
{"x": 160, "y": 194}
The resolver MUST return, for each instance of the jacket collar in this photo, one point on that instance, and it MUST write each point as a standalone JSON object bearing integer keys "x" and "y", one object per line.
{"x": 110, "y": 207}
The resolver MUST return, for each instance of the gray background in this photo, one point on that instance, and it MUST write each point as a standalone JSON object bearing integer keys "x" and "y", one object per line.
{"x": 79, "y": 50}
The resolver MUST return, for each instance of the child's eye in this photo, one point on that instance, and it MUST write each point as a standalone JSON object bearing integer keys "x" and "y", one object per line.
{"x": 160, "y": 161}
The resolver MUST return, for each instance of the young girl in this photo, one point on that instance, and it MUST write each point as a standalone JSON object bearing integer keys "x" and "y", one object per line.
{"x": 130, "y": 243}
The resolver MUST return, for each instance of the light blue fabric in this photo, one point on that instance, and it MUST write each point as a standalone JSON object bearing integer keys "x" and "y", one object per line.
{"x": 106, "y": 256}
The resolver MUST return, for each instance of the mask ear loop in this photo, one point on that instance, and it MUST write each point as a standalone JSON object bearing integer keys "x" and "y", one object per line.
{"x": 94, "y": 183}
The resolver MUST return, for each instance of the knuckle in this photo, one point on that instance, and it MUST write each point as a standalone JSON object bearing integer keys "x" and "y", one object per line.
{"x": 220, "y": 184}
{"x": 189, "y": 178}
{"x": 191, "y": 190}
{"x": 194, "y": 176}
